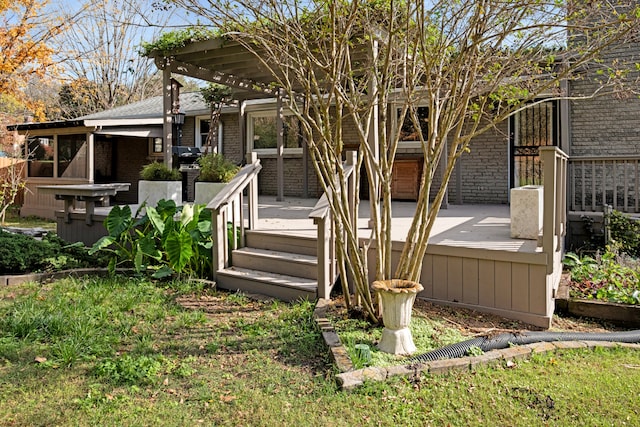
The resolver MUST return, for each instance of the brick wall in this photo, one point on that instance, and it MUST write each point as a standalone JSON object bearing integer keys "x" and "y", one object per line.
{"x": 609, "y": 124}
{"x": 131, "y": 154}
{"x": 485, "y": 170}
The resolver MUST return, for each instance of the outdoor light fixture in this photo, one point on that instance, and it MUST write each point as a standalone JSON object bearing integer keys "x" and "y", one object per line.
{"x": 178, "y": 118}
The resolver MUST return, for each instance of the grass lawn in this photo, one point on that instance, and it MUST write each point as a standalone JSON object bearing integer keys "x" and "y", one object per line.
{"x": 127, "y": 352}
{"x": 12, "y": 219}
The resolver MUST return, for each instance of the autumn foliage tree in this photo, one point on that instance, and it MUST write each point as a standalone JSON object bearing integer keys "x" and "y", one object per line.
{"x": 25, "y": 33}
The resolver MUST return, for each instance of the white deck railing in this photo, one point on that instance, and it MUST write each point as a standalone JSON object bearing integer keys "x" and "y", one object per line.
{"x": 227, "y": 213}
{"x": 323, "y": 219}
{"x": 599, "y": 181}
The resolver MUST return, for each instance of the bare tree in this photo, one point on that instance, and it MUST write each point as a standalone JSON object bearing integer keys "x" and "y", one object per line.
{"x": 101, "y": 66}
{"x": 471, "y": 63}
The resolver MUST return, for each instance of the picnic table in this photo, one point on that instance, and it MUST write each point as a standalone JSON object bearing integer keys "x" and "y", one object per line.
{"x": 90, "y": 194}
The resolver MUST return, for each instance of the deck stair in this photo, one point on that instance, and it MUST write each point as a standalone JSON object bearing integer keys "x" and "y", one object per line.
{"x": 275, "y": 264}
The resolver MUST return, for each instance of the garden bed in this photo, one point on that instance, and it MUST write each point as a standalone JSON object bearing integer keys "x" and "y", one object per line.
{"x": 627, "y": 315}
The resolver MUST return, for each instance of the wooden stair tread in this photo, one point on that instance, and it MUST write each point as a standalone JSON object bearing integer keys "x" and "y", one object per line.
{"x": 280, "y": 255}
{"x": 271, "y": 278}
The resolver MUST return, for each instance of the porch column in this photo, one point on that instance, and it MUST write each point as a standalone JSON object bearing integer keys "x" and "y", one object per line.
{"x": 242, "y": 127}
{"x": 90, "y": 157}
{"x": 280, "y": 147}
{"x": 167, "y": 123}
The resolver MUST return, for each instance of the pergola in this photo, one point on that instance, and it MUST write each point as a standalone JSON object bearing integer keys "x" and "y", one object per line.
{"x": 229, "y": 62}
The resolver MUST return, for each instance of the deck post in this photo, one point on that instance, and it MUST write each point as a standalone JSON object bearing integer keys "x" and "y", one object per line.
{"x": 554, "y": 223}
{"x": 219, "y": 242}
{"x": 252, "y": 194}
{"x": 324, "y": 262}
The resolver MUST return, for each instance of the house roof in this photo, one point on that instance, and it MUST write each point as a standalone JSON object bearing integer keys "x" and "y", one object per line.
{"x": 191, "y": 103}
{"x": 147, "y": 112}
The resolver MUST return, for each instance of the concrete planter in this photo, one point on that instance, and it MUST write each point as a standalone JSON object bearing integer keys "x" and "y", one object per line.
{"x": 154, "y": 191}
{"x": 206, "y": 191}
{"x": 397, "y": 298}
{"x": 526, "y": 212}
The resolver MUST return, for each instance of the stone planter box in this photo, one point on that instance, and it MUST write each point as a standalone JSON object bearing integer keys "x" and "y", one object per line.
{"x": 526, "y": 212}
{"x": 154, "y": 191}
{"x": 206, "y": 191}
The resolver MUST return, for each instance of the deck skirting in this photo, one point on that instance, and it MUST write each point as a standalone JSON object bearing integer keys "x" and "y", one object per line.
{"x": 514, "y": 285}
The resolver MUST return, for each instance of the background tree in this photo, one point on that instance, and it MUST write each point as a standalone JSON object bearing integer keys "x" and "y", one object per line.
{"x": 101, "y": 66}
{"x": 26, "y": 33}
{"x": 471, "y": 63}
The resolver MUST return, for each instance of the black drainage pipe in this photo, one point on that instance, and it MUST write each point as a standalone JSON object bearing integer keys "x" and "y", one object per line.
{"x": 505, "y": 340}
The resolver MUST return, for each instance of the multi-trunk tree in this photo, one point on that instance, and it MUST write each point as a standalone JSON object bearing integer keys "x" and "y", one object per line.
{"x": 453, "y": 69}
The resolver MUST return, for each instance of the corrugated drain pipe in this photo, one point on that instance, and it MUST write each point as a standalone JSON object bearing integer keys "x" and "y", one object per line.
{"x": 505, "y": 340}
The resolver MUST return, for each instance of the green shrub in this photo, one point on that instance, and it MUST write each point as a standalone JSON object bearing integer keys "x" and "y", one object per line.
{"x": 215, "y": 167}
{"x": 625, "y": 233}
{"x": 158, "y": 171}
{"x": 21, "y": 254}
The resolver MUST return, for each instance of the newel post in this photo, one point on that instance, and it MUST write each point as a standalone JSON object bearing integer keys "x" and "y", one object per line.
{"x": 252, "y": 193}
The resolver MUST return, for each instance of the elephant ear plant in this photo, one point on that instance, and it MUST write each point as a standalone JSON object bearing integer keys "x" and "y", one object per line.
{"x": 167, "y": 239}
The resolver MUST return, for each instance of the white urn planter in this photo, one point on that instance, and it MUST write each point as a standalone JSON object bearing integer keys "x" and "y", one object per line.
{"x": 154, "y": 191}
{"x": 397, "y": 297}
{"x": 206, "y": 191}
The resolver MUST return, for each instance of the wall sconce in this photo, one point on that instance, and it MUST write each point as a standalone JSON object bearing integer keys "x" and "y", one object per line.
{"x": 178, "y": 118}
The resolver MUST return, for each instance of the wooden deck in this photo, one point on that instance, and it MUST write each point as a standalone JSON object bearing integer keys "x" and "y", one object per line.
{"x": 464, "y": 226}
{"x": 471, "y": 261}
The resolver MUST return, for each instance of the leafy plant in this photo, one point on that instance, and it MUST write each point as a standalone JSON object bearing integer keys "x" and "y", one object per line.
{"x": 166, "y": 239}
{"x": 177, "y": 39}
{"x": 215, "y": 167}
{"x": 606, "y": 277}
{"x": 128, "y": 369}
{"x": 625, "y": 233}
{"x": 158, "y": 171}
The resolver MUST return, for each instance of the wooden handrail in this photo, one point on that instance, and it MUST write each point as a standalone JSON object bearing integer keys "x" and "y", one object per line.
{"x": 326, "y": 240}
{"x": 227, "y": 208}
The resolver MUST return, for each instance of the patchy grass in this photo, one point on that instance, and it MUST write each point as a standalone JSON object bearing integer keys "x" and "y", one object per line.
{"x": 129, "y": 352}
{"x": 12, "y": 219}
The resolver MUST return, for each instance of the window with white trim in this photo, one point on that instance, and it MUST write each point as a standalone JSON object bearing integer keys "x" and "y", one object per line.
{"x": 202, "y": 131}
{"x": 262, "y": 133}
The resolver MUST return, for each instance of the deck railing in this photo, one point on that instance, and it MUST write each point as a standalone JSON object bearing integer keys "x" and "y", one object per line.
{"x": 323, "y": 219}
{"x": 554, "y": 220}
{"x": 227, "y": 213}
{"x": 599, "y": 181}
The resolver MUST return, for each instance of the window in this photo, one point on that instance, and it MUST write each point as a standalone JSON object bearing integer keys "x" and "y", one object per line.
{"x": 41, "y": 156}
{"x": 262, "y": 133}
{"x": 157, "y": 146}
{"x": 72, "y": 156}
{"x": 61, "y": 156}
{"x": 409, "y": 135}
{"x": 203, "y": 132}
